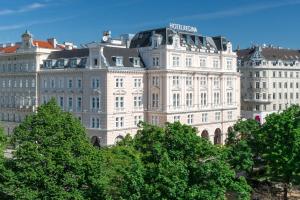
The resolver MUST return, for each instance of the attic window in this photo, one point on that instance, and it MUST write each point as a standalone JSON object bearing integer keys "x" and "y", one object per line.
{"x": 48, "y": 63}
{"x": 73, "y": 62}
{"x": 136, "y": 62}
{"x": 61, "y": 63}
{"x": 119, "y": 61}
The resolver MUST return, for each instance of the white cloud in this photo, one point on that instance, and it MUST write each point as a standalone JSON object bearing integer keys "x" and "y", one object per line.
{"x": 31, "y": 7}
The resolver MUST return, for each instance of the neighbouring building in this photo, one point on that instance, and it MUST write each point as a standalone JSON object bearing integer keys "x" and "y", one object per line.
{"x": 269, "y": 80}
{"x": 158, "y": 76}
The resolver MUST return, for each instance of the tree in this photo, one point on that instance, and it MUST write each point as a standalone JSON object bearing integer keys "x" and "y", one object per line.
{"x": 178, "y": 164}
{"x": 53, "y": 158}
{"x": 281, "y": 153}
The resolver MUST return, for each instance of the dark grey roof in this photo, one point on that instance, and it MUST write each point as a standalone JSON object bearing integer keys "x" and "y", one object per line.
{"x": 74, "y": 53}
{"x": 143, "y": 39}
{"x": 127, "y": 53}
{"x": 269, "y": 53}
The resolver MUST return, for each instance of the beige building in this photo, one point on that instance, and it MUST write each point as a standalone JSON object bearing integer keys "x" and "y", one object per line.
{"x": 158, "y": 76}
{"x": 269, "y": 80}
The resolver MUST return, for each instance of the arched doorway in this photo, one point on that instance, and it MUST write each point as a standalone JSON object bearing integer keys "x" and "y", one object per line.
{"x": 96, "y": 142}
{"x": 204, "y": 134}
{"x": 118, "y": 139}
{"x": 218, "y": 136}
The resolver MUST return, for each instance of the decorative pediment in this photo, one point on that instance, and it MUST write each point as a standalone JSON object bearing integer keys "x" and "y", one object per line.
{"x": 257, "y": 55}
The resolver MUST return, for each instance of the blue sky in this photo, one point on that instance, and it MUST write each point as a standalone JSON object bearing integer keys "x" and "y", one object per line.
{"x": 242, "y": 21}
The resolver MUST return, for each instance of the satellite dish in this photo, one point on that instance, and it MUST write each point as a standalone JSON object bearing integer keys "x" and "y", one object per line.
{"x": 105, "y": 38}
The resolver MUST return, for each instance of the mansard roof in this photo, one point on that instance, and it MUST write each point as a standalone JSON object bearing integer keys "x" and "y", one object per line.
{"x": 269, "y": 53}
{"x": 74, "y": 53}
{"x": 143, "y": 39}
{"x": 127, "y": 53}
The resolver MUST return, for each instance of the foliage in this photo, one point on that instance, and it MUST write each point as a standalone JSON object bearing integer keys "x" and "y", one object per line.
{"x": 53, "y": 158}
{"x": 178, "y": 164}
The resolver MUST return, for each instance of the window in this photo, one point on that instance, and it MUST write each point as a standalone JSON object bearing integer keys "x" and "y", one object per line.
{"x": 285, "y": 85}
{"x": 176, "y": 99}
{"x": 229, "y": 98}
{"x": 95, "y": 62}
{"x": 218, "y": 116}
{"x": 137, "y": 82}
{"x": 155, "y": 61}
{"x": 274, "y": 84}
{"x": 137, "y": 119}
{"x": 291, "y": 74}
{"x": 297, "y": 85}
{"x": 119, "y": 82}
{"x": 155, "y": 81}
{"x": 229, "y": 64}
{"x": 190, "y": 119}
{"x": 189, "y": 99}
{"x": 280, "y": 96}
{"x": 279, "y": 74}
{"x": 137, "y": 101}
{"x": 79, "y": 104}
{"x": 176, "y": 118}
{"x": 257, "y": 85}
{"x": 155, "y": 100}
{"x": 61, "y": 102}
{"x": 264, "y": 96}
{"x": 216, "y": 82}
{"x": 264, "y": 85}
{"x": 79, "y": 83}
{"x": 257, "y": 74}
{"x": 203, "y": 82}
{"x": 256, "y": 95}
{"x": 70, "y": 83}
{"x": 95, "y": 122}
{"x": 279, "y": 106}
{"x": 274, "y": 74}
{"x": 95, "y": 83}
{"x": 136, "y": 62}
{"x": 229, "y": 115}
{"x": 204, "y": 117}
{"x": 203, "y": 99}
{"x": 285, "y": 95}
{"x": 216, "y": 98}
{"x": 297, "y": 95}
{"x": 45, "y": 84}
{"x": 119, "y": 61}
{"x": 274, "y": 95}
{"x": 154, "y": 120}
{"x": 70, "y": 103}
{"x": 257, "y": 107}
{"x": 280, "y": 84}
{"x": 175, "y": 61}
{"x": 285, "y": 74}
{"x": 202, "y": 62}
{"x": 215, "y": 64}
{"x": 188, "y": 81}
{"x": 119, "y": 122}
{"x": 95, "y": 103}
{"x": 264, "y": 74}
{"x": 119, "y": 102}
{"x": 291, "y": 95}
{"x": 229, "y": 82}
{"x": 274, "y": 106}
{"x": 175, "y": 80}
{"x": 188, "y": 62}
{"x": 73, "y": 62}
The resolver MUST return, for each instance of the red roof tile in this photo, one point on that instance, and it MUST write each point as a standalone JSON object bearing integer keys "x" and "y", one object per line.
{"x": 38, "y": 43}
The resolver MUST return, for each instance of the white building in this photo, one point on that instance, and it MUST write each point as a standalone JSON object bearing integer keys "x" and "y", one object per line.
{"x": 269, "y": 80}
{"x": 158, "y": 76}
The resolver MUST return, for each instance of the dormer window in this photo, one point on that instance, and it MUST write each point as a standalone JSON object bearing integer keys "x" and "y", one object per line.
{"x": 61, "y": 63}
{"x": 136, "y": 62}
{"x": 48, "y": 63}
{"x": 156, "y": 40}
{"x": 119, "y": 61}
{"x": 73, "y": 62}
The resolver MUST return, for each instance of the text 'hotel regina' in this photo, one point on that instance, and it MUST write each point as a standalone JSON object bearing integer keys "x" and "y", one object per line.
{"x": 158, "y": 76}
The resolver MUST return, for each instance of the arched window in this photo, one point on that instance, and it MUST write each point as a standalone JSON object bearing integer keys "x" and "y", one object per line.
{"x": 118, "y": 139}
{"x": 229, "y": 130}
{"x": 96, "y": 142}
{"x": 204, "y": 134}
{"x": 218, "y": 136}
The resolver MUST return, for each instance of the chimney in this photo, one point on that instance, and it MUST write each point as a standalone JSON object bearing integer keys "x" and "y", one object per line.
{"x": 53, "y": 42}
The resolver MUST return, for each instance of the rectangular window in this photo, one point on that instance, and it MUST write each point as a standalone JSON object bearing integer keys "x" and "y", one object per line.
{"x": 119, "y": 61}
{"x": 155, "y": 100}
{"x": 155, "y": 61}
{"x": 79, "y": 83}
{"x": 256, "y": 95}
{"x": 203, "y": 99}
{"x": 79, "y": 104}
{"x": 229, "y": 64}
{"x": 229, "y": 98}
{"x": 61, "y": 102}
{"x": 190, "y": 119}
{"x": 217, "y": 116}
{"x": 216, "y": 98}
{"x": 176, "y": 118}
{"x": 202, "y": 62}
{"x": 154, "y": 120}
{"x": 215, "y": 64}
{"x": 274, "y": 106}
{"x": 188, "y": 62}
{"x": 95, "y": 103}
{"x": 216, "y": 82}
{"x": 264, "y": 85}
{"x": 175, "y": 61}
{"x": 137, "y": 83}
{"x": 95, "y": 122}
{"x": 188, "y": 81}
{"x": 189, "y": 99}
{"x": 155, "y": 81}
{"x": 119, "y": 122}
{"x": 137, "y": 119}
{"x": 119, "y": 102}
{"x": 204, "y": 117}
{"x": 257, "y": 85}
{"x": 175, "y": 80}
{"x": 70, "y": 83}
{"x": 70, "y": 103}
{"x": 229, "y": 82}
{"x": 176, "y": 100}
{"x": 137, "y": 101}
{"x": 95, "y": 83}
{"x": 203, "y": 82}
{"x": 119, "y": 82}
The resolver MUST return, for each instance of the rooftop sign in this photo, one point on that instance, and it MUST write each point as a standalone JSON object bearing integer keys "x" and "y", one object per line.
{"x": 185, "y": 28}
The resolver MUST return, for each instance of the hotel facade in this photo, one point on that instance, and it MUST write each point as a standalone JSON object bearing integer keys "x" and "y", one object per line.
{"x": 269, "y": 80}
{"x": 158, "y": 76}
